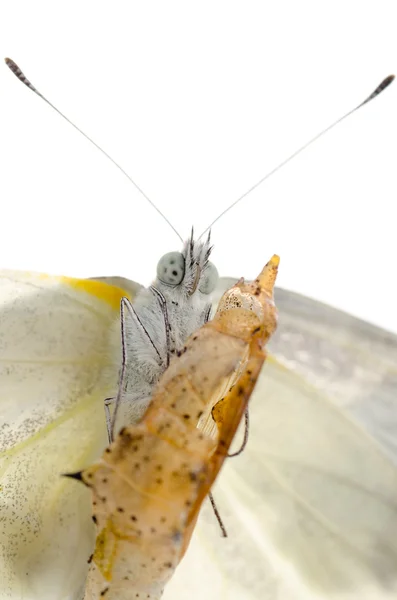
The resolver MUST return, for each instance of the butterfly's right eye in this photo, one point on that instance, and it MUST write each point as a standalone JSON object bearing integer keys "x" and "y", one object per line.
{"x": 171, "y": 268}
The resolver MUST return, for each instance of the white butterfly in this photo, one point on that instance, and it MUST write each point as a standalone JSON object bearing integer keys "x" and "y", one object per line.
{"x": 310, "y": 506}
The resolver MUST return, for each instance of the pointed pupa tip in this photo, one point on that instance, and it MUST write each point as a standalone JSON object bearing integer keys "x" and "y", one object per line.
{"x": 268, "y": 275}
{"x": 274, "y": 261}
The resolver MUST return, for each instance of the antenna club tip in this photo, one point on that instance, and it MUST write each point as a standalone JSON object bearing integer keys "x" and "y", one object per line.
{"x": 11, "y": 64}
{"x": 389, "y": 79}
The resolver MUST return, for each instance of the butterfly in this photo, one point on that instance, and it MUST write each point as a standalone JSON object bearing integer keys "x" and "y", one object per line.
{"x": 59, "y": 365}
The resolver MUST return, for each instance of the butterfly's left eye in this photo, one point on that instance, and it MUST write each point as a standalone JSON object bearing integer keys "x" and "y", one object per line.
{"x": 209, "y": 279}
{"x": 171, "y": 268}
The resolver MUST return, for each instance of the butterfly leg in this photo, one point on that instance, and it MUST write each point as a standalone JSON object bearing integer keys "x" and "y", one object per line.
{"x": 246, "y": 434}
{"x": 163, "y": 307}
{"x": 207, "y": 313}
{"x": 107, "y": 403}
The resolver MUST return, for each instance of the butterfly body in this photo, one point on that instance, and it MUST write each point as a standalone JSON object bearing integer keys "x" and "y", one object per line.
{"x": 155, "y": 327}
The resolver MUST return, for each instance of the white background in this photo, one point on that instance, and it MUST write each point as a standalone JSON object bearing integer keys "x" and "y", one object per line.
{"x": 197, "y": 101}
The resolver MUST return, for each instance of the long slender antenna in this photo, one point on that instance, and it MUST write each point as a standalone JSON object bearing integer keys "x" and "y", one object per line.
{"x": 382, "y": 86}
{"x": 18, "y": 73}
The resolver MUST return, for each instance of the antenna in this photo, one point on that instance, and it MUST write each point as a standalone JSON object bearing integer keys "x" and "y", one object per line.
{"x": 382, "y": 86}
{"x": 20, "y": 75}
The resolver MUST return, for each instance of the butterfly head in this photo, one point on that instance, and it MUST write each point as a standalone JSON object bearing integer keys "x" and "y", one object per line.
{"x": 189, "y": 271}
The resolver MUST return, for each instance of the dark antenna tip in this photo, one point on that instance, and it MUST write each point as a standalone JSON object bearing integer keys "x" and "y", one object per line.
{"x": 382, "y": 86}
{"x": 12, "y": 65}
{"x": 387, "y": 81}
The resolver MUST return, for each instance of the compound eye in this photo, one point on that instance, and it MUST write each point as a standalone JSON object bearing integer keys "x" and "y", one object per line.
{"x": 171, "y": 268}
{"x": 209, "y": 279}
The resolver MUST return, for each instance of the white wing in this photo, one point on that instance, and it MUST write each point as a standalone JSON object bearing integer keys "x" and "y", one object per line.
{"x": 311, "y": 505}
{"x": 57, "y": 364}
